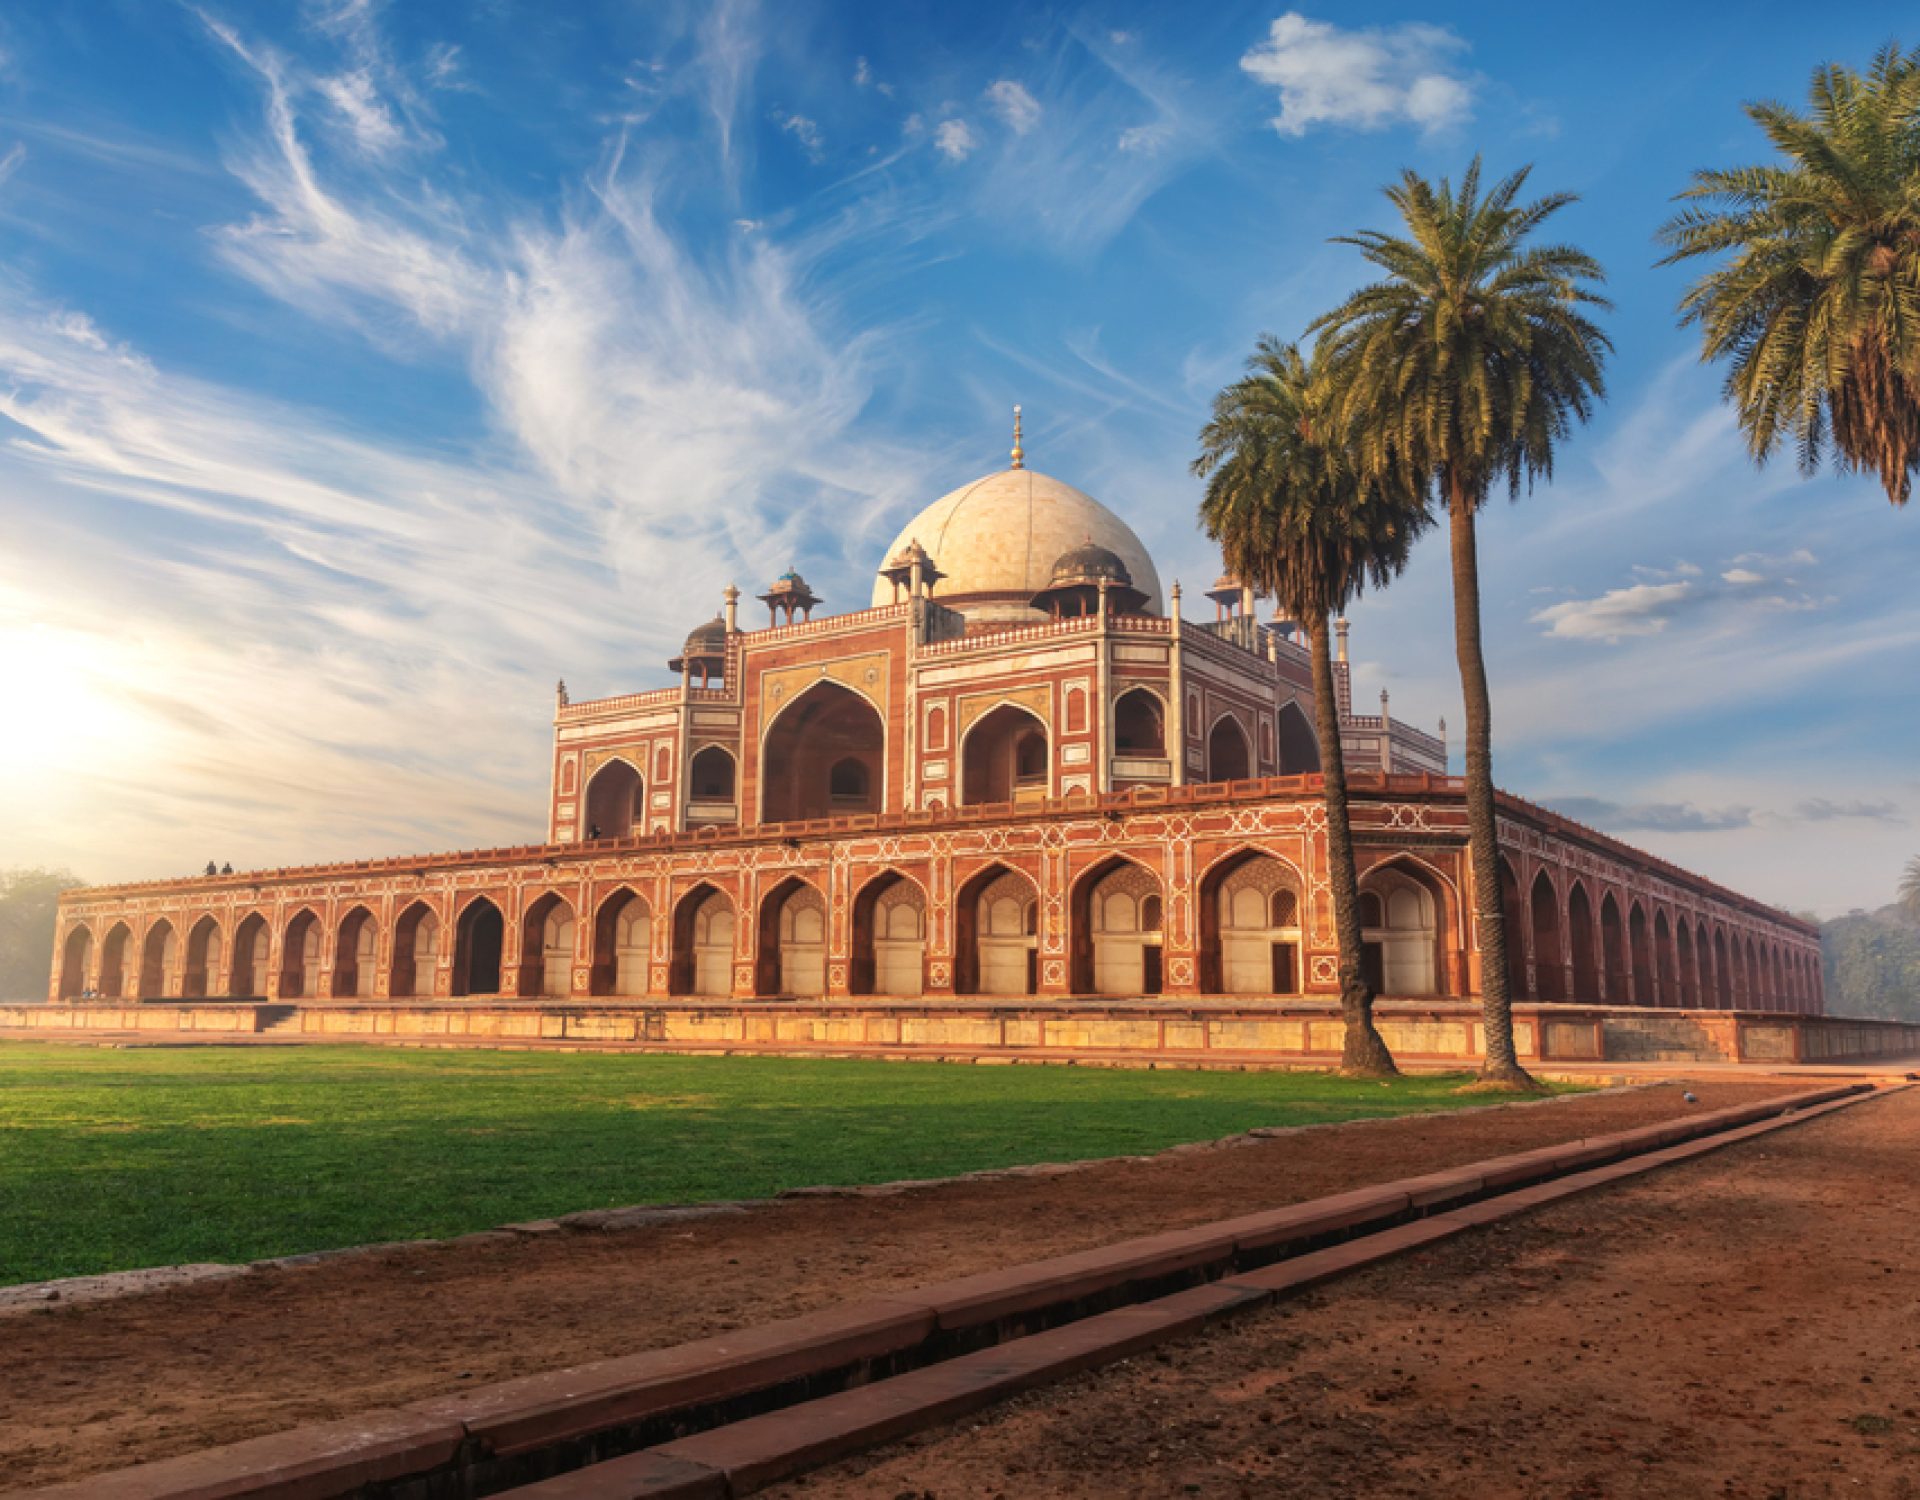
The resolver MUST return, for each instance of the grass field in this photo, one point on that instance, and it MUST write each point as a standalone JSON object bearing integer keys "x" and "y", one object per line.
{"x": 111, "y": 1160}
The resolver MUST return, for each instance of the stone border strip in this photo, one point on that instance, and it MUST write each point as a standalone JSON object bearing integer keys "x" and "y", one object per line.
{"x": 31, "y": 1296}
{"x": 736, "y": 1460}
{"x": 510, "y": 1432}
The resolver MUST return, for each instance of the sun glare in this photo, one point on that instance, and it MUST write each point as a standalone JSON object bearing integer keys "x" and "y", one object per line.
{"x": 67, "y": 690}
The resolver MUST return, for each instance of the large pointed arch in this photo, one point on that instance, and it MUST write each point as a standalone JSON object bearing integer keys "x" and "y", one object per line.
{"x": 202, "y": 974}
{"x": 996, "y": 924}
{"x": 890, "y": 920}
{"x": 416, "y": 952}
{"x": 1114, "y": 927}
{"x": 1613, "y": 951}
{"x": 251, "y": 945}
{"x": 1406, "y": 914}
{"x": 1229, "y": 750}
{"x": 157, "y": 955}
{"x": 623, "y": 945}
{"x": 823, "y": 755}
{"x": 1582, "y": 949}
{"x": 1299, "y": 745}
{"x": 704, "y": 927}
{"x": 1543, "y": 907}
{"x": 479, "y": 941}
{"x": 75, "y": 954}
{"x": 113, "y": 960}
{"x": 1139, "y": 725}
{"x": 547, "y": 935}
{"x": 791, "y": 941}
{"x": 356, "y": 955}
{"x": 615, "y": 805}
{"x": 300, "y": 953}
{"x": 1005, "y": 756}
{"x": 1640, "y": 948}
{"x": 1252, "y": 904}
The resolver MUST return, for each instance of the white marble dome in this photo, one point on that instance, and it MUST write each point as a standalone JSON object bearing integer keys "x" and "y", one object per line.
{"x": 996, "y": 541}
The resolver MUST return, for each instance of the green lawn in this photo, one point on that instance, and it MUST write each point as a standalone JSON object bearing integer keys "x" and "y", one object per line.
{"x": 118, "y": 1159}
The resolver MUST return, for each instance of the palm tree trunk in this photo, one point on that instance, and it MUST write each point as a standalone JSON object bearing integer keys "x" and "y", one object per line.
{"x": 1500, "y": 1065}
{"x": 1364, "y": 1052}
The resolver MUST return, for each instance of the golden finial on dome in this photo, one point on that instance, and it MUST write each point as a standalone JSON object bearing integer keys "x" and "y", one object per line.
{"x": 1019, "y": 453}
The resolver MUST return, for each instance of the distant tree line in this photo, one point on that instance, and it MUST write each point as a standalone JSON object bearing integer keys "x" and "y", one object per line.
{"x": 29, "y": 907}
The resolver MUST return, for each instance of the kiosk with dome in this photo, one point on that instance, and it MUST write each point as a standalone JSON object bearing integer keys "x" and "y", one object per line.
{"x": 1020, "y": 772}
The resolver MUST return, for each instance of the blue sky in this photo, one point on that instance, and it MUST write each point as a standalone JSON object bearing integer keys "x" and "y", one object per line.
{"x": 364, "y": 368}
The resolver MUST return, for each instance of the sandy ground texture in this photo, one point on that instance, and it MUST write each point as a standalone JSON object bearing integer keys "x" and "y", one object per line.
{"x": 1746, "y": 1325}
{"x": 104, "y": 1385}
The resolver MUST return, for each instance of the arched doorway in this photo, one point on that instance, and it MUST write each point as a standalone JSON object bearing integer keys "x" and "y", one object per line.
{"x": 355, "y": 964}
{"x": 157, "y": 956}
{"x": 546, "y": 948}
{"x": 824, "y": 756}
{"x": 113, "y": 961}
{"x": 623, "y": 945}
{"x": 793, "y": 941}
{"x": 1613, "y": 951}
{"x": 1644, "y": 992}
{"x": 616, "y": 802}
{"x": 996, "y": 919}
{"x": 1548, "y": 971}
{"x": 1756, "y": 978}
{"x": 1116, "y": 930}
{"x": 1515, "y": 921}
{"x": 703, "y": 938}
{"x": 249, "y": 977}
{"x": 416, "y": 950}
{"x": 1299, "y": 745}
{"x": 300, "y": 957}
{"x": 1003, "y": 758}
{"x": 74, "y": 954}
{"x": 1400, "y": 930}
{"x": 1139, "y": 726}
{"x": 1689, "y": 965}
{"x": 889, "y": 937}
{"x": 1229, "y": 756}
{"x": 1722, "y": 975}
{"x": 479, "y": 936}
{"x": 203, "y": 959}
{"x": 1664, "y": 992}
{"x": 1580, "y": 945}
{"x": 1250, "y": 927}
{"x": 710, "y": 778}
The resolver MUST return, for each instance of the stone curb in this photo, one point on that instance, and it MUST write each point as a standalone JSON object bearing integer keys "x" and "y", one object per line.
{"x": 536, "y": 1411}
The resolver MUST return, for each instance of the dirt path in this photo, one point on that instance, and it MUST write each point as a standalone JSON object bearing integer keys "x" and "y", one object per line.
{"x": 92, "y": 1387}
{"x": 1747, "y": 1325}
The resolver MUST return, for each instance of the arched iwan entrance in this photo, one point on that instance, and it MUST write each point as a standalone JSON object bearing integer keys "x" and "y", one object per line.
{"x": 354, "y": 965}
{"x": 73, "y": 962}
{"x": 825, "y": 756}
{"x": 623, "y": 945}
{"x": 546, "y": 948}
{"x": 793, "y": 941}
{"x": 1250, "y": 927}
{"x": 416, "y": 950}
{"x": 300, "y": 958}
{"x": 996, "y": 934}
{"x": 113, "y": 961}
{"x": 1116, "y": 931}
{"x": 479, "y": 935}
{"x": 249, "y": 977}
{"x": 1004, "y": 758}
{"x": 1400, "y": 930}
{"x": 703, "y": 938}
{"x": 1299, "y": 746}
{"x": 889, "y": 937}
{"x": 616, "y": 802}
{"x": 159, "y": 951}
{"x": 1229, "y": 757}
{"x": 1139, "y": 726}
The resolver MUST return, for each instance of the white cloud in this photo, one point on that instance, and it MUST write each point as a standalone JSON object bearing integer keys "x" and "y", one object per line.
{"x": 1014, "y": 105}
{"x": 373, "y": 126}
{"x": 10, "y": 163}
{"x": 1741, "y": 576}
{"x": 1365, "y": 79}
{"x": 443, "y": 66}
{"x": 1644, "y": 609}
{"x": 1145, "y": 139}
{"x": 955, "y": 140}
{"x": 803, "y": 130}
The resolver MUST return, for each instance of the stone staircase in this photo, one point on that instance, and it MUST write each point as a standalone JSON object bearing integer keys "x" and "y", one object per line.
{"x": 283, "y": 1020}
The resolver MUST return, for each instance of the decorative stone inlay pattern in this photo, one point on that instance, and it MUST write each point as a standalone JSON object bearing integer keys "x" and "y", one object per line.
{"x": 1038, "y": 698}
{"x": 865, "y": 675}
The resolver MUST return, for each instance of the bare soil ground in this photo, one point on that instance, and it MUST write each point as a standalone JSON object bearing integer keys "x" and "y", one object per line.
{"x": 1746, "y": 1325}
{"x": 104, "y": 1385}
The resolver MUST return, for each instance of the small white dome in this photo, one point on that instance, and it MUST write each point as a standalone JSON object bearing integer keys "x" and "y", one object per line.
{"x": 996, "y": 541}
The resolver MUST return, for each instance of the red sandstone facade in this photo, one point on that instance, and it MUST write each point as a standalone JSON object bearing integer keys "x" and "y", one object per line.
{"x": 996, "y": 788}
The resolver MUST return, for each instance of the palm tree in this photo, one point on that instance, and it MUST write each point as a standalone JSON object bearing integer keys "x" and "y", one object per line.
{"x": 1466, "y": 363}
{"x": 1295, "y": 520}
{"x": 1909, "y": 897}
{"x": 1818, "y": 307}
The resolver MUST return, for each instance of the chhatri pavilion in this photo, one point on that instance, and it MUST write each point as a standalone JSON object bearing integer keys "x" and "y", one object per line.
{"x": 1022, "y": 770}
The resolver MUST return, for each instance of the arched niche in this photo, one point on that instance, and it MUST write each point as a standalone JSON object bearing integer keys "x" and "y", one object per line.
{"x": 1004, "y": 758}
{"x": 300, "y": 957}
{"x": 1543, "y": 904}
{"x": 824, "y": 756}
{"x": 623, "y": 945}
{"x": 1250, "y": 916}
{"x": 1613, "y": 955}
{"x": 75, "y": 954}
{"x": 710, "y": 776}
{"x": 996, "y": 919}
{"x": 889, "y": 937}
{"x": 416, "y": 952}
{"x": 792, "y": 956}
{"x": 157, "y": 956}
{"x": 1229, "y": 756}
{"x": 703, "y": 940}
{"x": 1139, "y": 726}
{"x": 1116, "y": 922}
{"x": 113, "y": 961}
{"x": 250, "y": 957}
{"x": 546, "y": 947}
{"x": 355, "y": 960}
{"x": 616, "y": 804}
{"x": 202, "y": 976}
{"x": 479, "y": 940}
{"x": 1299, "y": 745}
{"x": 1582, "y": 951}
{"x": 1403, "y": 910}
{"x": 1640, "y": 946}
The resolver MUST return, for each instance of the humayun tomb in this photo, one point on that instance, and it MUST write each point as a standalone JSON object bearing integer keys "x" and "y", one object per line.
{"x": 1023, "y": 778}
